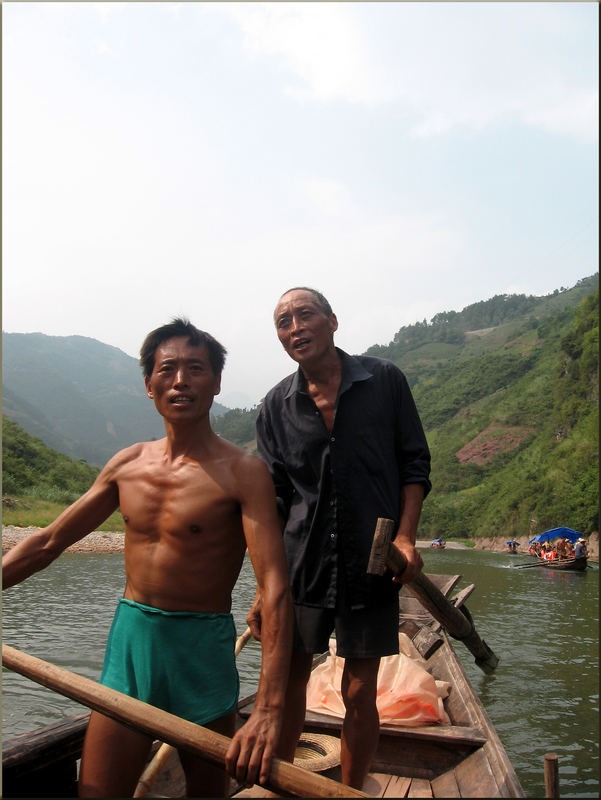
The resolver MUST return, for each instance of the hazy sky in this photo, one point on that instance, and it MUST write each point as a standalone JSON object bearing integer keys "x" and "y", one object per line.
{"x": 201, "y": 158}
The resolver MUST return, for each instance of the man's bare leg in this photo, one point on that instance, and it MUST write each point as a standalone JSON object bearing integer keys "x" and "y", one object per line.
{"x": 112, "y": 759}
{"x": 361, "y": 726}
{"x": 295, "y": 705}
{"x": 204, "y": 779}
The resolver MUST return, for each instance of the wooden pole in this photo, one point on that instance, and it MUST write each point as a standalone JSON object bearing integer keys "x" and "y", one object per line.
{"x": 457, "y": 622}
{"x": 551, "y": 775}
{"x": 284, "y": 777}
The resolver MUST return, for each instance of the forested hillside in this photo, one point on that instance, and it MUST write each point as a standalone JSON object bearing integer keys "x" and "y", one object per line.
{"x": 30, "y": 468}
{"x": 507, "y": 390}
{"x": 508, "y": 393}
{"x": 514, "y": 440}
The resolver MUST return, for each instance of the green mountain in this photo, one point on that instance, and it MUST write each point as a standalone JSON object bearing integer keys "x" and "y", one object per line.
{"x": 508, "y": 394}
{"x": 507, "y": 390}
{"x": 514, "y": 431}
{"x": 81, "y": 397}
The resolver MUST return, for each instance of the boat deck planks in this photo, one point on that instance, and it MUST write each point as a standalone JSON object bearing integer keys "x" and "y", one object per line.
{"x": 474, "y": 777}
{"x": 445, "y": 785}
{"x": 397, "y": 786}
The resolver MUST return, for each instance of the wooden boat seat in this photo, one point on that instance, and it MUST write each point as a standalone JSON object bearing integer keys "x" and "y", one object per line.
{"x": 445, "y": 734}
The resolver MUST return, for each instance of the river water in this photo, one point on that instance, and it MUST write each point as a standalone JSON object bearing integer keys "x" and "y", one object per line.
{"x": 544, "y": 625}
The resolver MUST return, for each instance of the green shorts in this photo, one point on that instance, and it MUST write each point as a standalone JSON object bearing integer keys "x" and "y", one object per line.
{"x": 180, "y": 661}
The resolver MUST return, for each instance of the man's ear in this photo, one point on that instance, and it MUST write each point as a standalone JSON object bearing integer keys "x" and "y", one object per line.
{"x": 217, "y": 385}
{"x": 148, "y": 389}
{"x": 333, "y": 322}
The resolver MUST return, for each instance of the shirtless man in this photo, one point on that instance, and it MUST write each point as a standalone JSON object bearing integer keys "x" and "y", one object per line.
{"x": 192, "y": 503}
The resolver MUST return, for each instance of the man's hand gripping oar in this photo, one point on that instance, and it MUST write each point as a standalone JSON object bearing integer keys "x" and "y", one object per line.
{"x": 161, "y": 756}
{"x": 458, "y": 622}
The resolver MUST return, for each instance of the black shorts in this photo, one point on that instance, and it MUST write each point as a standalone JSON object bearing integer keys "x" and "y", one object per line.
{"x": 360, "y": 633}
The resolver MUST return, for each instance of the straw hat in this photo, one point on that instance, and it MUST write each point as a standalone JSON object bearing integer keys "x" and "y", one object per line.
{"x": 317, "y": 752}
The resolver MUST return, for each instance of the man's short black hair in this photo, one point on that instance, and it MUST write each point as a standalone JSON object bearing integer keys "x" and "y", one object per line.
{"x": 323, "y": 303}
{"x": 179, "y": 326}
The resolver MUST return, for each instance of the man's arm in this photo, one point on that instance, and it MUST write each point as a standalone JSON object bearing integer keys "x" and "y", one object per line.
{"x": 39, "y": 549}
{"x": 412, "y": 498}
{"x": 268, "y": 452}
{"x": 254, "y": 744}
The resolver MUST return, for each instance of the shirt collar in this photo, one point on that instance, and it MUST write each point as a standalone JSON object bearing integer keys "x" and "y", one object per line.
{"x": 352, "y": 371}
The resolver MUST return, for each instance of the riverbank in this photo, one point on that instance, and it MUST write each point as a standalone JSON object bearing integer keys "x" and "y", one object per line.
{"x": 112, "y": 542}
{"x": 95, "y": 542}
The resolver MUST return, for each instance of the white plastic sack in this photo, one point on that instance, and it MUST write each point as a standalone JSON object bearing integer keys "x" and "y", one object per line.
{"x": 407, "y": 694}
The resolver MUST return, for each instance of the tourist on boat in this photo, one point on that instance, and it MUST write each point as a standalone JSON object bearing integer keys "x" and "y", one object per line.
{"x": 192, "y": 504}
{"x": 561, "y": 548}
{"x": 580, "y": 549}
{"x": 345, "y": 446}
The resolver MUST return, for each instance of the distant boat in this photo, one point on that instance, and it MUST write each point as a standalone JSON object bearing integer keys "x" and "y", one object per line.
{"x": 576, "y": 562}
{"x": 512, "y": 546}
{"x": 568, "y": 564}
{"x": 556, "y": 533}
{"x": 438, "y": 543}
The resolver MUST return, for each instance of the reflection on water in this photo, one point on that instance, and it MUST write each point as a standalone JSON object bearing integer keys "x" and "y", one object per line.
{"x": 543, "y": 625}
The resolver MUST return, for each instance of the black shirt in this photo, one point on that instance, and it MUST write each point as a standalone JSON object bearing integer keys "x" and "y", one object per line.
{"x": 332, "y": 487}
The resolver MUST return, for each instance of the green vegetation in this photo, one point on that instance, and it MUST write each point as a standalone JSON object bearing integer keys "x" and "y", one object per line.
{"x": 28, "y": 466}
{"x": 29, "y": 511}
{"x": 38, "y": 483}
{"x": 508, "y": 393}
{"x": 512, "y": 363}
{"x": 237, "y": 426}
{"x": 551, "y": 477}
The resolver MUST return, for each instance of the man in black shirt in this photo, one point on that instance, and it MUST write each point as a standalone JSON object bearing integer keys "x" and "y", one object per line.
{"x": 344, "y": 444}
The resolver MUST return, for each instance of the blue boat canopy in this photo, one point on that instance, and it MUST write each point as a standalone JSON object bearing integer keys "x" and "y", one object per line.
{"x": 512, "y": 541}
{"x": 556, "y": 533}
{"x": 437, "y": 540}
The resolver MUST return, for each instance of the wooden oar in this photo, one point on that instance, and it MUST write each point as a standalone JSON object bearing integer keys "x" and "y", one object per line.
{"x": 152, "y": 769}
{"x": 458, "y": 622}
{"x": 284, "y": 777}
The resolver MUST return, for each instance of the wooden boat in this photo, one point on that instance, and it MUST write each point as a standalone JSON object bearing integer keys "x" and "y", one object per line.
{"x": 568, "y": 564}
{"x": 462, "y": 759}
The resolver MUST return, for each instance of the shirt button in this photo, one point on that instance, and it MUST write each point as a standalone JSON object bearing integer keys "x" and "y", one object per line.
{"x": 333, "y": 439}
{"x": 332, "y": 536}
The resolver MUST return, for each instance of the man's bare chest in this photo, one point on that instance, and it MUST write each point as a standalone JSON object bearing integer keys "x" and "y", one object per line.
{"x": 155, "y": 499}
